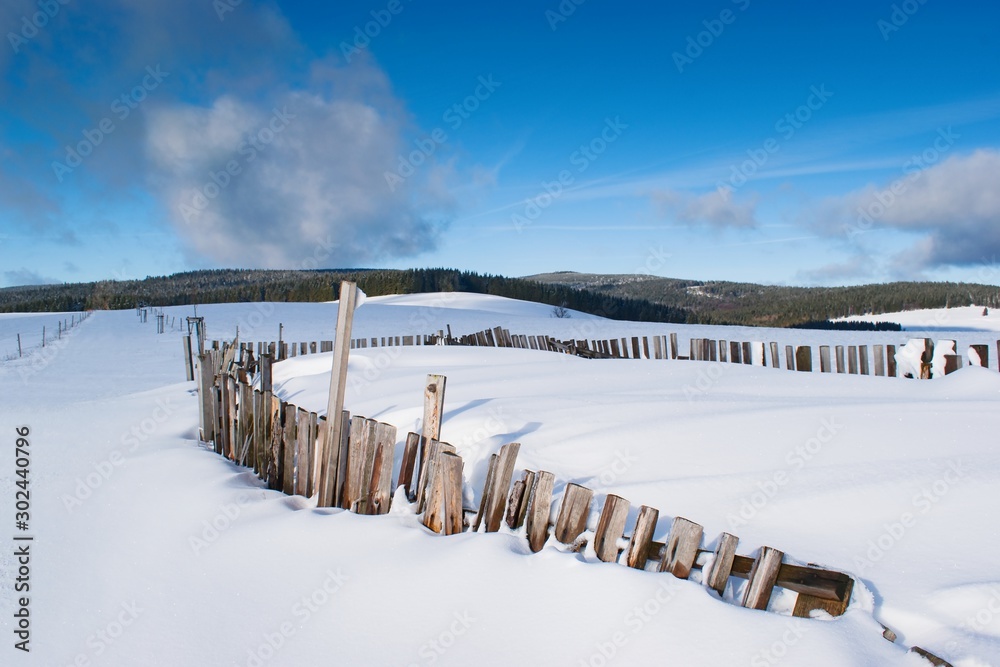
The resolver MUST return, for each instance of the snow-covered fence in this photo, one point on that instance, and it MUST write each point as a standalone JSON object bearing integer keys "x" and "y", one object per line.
{"x": 288, "y": 448}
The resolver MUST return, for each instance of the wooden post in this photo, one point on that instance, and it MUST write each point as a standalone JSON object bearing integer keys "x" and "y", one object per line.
{"x": 430, "y": 427}
{"x": 723, "y": 351}
{"x": 722, "y": 563}
{"x": 747, "y": 354}
{"x": 841, "y": 366}
{"x": 303, "y": 465}
{"x": 18, "y": 345}
{"x": 789, "y": 358}
{"x": 266, "y": 363}
{"x": 863, "y": 359}
{"x": 775, "y": 363}
{"x": 852, "y": 359}
{"x": 338, "y": 381}
{"x": 735, "y": 352}
{"x": 763, "y": 576}
{"x": 276, "y": 455}
{"x": 642, "y": 536}
{"x": 673, "y": 345}
{"x": 682, "y": 548}
{"x": 573, "y": 513}
{"x": 539, "y": 508}
{"x": 380, "y": 487}
{"x": 803, "y": 358}
{"x": 206, "y": 401}
{"x": 357, "y": 442}
{"x": 497, "y": 493}
{"x": 491, "y": 470}
{"x": 952, "y": 362}
{"x": 451, "y": 473}
{"x": 983, "y": 351}
{"x": 516, "y": 515}
{"x": 610, "y": 528}
{"x": 188, "y": 364}
{"x": 890, "y": 360}
{"x": 289, "y": 434}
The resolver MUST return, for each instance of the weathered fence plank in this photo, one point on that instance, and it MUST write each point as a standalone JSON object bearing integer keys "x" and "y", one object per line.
{"x": 722, "y": 563}
{"x": 642, "y": 537}
{"x": 539, "y": 509}
{"x": 573, "y": 513}
{"x": 682, "y": 548}
{"x": 763, "y": 577}
{"x": 610, "y": 528}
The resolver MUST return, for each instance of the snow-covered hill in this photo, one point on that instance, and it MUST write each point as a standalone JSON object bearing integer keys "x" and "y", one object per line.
{"x": 151, "y": 550}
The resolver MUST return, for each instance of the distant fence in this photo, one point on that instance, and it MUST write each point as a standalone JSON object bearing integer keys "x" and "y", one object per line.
{"x": 875, "y": 359}
{"x": 287, "y": 447}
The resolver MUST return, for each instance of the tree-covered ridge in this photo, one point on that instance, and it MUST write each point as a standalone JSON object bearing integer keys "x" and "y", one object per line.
{"x": 235, "y": 285}
{"x": 720, "y": 302}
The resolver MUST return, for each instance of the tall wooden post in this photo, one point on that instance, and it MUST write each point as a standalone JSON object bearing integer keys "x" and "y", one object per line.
{"x": 338, "y": 385}
{"x": 18, "y": 345}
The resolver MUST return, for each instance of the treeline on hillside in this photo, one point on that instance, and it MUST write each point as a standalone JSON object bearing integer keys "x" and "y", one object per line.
{"x": 827, "y": 325}
{"x": 234, "y": 285}
{"x": 774, "y": 305}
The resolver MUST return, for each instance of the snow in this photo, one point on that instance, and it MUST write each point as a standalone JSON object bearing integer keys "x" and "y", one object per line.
{"x": 963, "y": 318}
{"x": 152, "y": 550}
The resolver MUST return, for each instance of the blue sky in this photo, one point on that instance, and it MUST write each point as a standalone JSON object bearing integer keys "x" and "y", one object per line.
{"x": 792, "y": 143}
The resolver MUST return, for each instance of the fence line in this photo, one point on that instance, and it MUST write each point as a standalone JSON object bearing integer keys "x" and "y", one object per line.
{"x": 287, "y": 447}
{"x": 877, "y": 359}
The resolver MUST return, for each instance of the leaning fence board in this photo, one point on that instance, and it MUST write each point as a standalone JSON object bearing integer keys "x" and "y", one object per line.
{"x": 514, "y": 503}
{"x": 722, "y": 563}
{"x": 433, "y": 449}
{"x": 610, "y": 528}
{"x": 433, "y": 513}
{"x": 433, "y": 407}
{"x": 642, "y": 537}
{"x": 539, "y": 508}
{"x": 573, "y": 513}
{"x": 500, "y": 484}
{"x": 276, "y": 459}
{"x": 763, "y": 577}
{"x": 682, "y": 548}
{"x": 338, "y": 376}
{"x": 491, "y": 470}
{"x": 408, "y": 464}
{"x": 529, "y": 482}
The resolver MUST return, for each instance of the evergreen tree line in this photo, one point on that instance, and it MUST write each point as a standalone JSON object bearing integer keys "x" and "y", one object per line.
{"x": 234, "y": 285}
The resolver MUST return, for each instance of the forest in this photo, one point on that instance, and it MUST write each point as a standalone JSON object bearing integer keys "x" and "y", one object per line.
{"x": 640, "y": 298}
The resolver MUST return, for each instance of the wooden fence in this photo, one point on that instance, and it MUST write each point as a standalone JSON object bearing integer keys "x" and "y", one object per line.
{"x": 876, "y": 359}
{"x": 287, "y": 447}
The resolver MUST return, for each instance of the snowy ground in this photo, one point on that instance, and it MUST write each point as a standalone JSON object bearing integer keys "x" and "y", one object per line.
{"x": 151, "y": 550}
{"x": 963, "y": 318}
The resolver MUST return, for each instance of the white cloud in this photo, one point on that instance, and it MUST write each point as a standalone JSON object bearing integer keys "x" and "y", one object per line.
{"x": 297, "y": 178}
{"x": 716, "y": 208}
{"x": 954, "y": 205}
